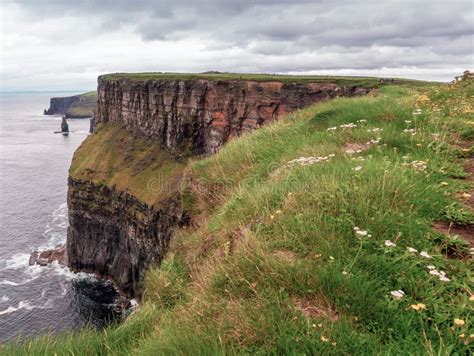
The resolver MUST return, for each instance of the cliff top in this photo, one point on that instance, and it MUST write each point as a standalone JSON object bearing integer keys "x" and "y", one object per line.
{"x": 339, "y": 80}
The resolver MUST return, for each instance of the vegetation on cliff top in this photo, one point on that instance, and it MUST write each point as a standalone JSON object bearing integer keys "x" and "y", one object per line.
{"x": 368, "y": 82}
{"x": 315, "y": 236}
{"x": 84, "y": 107}
{"x": 141, "y": 167}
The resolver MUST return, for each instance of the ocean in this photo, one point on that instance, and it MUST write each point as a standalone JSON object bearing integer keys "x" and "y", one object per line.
{"x": 34, "y": 163}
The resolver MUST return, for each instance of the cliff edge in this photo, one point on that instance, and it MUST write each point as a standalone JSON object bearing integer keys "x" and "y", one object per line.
{"x": 74, "y": 107}
{"x": 197, "y": 116}
{"x": 127, "y": 187}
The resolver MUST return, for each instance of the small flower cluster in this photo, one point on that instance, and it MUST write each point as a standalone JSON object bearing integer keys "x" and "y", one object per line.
{"x": 350, "y": 125}
{"x": 360, "y": 232}
{"x": 418, "y": 306}
{"x": 372, "y": 141}
{"x": 304, "y": 161}
{"x": 398, "y": 294}
{"x": 375, "y": 130}
{"x": 358, "y": 168}
{"x": 419, "y": 165}
{"x": 440, "y": 274}
{"x": 389, "y": 243}
{"x": 410, "y": 131}
{"x": 417, "y": 112}
{"x": 351, "y": 151}
{"x": 422, "y": 253}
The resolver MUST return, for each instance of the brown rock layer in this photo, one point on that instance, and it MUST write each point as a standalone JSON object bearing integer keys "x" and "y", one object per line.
{"x": 198, "y": 116}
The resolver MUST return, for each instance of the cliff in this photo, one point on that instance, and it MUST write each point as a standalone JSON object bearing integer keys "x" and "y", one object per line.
{"x": 114, "y": 234}
{"x": 197, "y": 116}
{"x": 338, "y": 230}
{"x": 126, "y": 189}
{"x": 76, "y": 106}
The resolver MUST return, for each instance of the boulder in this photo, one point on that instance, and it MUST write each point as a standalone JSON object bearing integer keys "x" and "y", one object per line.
{"x": 46, "y": 257}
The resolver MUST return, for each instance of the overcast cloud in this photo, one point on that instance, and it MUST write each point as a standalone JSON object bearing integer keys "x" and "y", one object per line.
{"x": 64, "y": 44}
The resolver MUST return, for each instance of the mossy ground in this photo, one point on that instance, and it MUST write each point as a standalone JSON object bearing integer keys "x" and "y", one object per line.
{"x": 141, "y": 167}
{"x": 277, "y": 265}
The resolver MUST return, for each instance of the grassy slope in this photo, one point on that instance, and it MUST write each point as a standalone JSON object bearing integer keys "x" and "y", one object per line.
{"x": 275, "y": 266}
{"x": 112, "y": 157}
{"x": 85, "y": 107}
{"x": 345, "y": 81}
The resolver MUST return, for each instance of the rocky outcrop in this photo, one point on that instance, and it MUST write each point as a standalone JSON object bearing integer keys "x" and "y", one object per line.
{"x": 73, "y": 107}
{"x": 59, "y": 106}
{"x": 198, "y": 116}
{"x": 46, "y": 257}
{"x": 115, "y": 235}
{"x": 64, "y": 125}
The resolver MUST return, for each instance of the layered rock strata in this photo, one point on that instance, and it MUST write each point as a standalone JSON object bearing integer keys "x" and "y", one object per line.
{"x": 198, "y": 116}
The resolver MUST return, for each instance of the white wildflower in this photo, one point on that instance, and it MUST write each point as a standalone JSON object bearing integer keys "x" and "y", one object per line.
{"x": 431, "y": 267}
{"x": 348, "y": 126}
{"x": 358, "y": 168}
{"x": 411, "y": 249}
{"x": 331, "y": 128}
{"x": 418, "y": 165}
{"x": 434, "y": 272}
{"x": 444, "y": 279}
{"x": 398, "y": 293}
{"x": 389, "y": 243}
{"x": 361, "y": 232}
{"x": 424, "y": 254}
{"x": 410, "y": 131}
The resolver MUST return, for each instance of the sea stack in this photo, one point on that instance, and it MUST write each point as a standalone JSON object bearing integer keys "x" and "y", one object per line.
{"x": 92, "y": 125}
{"x": 64, "y": 125}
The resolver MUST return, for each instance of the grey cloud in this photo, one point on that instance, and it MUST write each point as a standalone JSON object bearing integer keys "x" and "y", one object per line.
{"x": 240, "y": 22}
{"x": 245, "y": 35}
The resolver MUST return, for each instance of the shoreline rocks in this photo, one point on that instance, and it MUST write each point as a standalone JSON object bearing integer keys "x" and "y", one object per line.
{"x": 44, "y": 258}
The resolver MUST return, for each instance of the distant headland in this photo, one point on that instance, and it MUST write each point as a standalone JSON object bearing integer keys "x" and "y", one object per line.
{"x": 73, "y": 107}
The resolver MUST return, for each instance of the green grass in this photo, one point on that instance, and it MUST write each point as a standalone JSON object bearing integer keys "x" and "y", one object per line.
{"x": 276, "y": 267}
{"x": 84, "y": 107}
{"x": 113, "y": 157}
{"x": 340, "y": 80}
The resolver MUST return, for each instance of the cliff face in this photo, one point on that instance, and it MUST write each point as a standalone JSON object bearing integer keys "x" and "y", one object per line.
{"x": 59, "y": 106}
{"x": 115, "y": 235}
{"x": 112, "y": 232}
{"x": 198, "y": 116}
{"x": 76, "y": 106}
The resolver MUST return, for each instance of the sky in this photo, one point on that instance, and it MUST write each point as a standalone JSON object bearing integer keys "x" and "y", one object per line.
{"x": 67, "y": 44}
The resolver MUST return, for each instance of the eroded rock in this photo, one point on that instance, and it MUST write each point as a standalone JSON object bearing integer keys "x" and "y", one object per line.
{"x": 59, "y": 253}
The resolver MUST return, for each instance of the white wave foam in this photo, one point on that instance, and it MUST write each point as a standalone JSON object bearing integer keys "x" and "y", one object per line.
{"x": 4, "y": 299}
{"x": 67, "y": 273}
{"x": 21, "y": 305}
{"x": 16, "y": 261}
{"x": 7, "y": 282}
{"x": 55, "y": 230}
